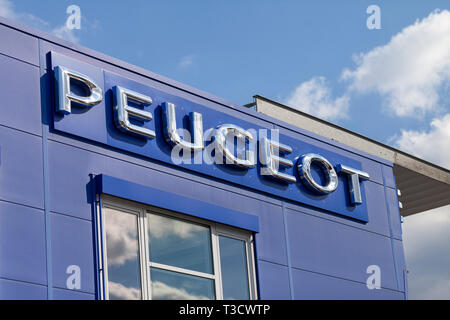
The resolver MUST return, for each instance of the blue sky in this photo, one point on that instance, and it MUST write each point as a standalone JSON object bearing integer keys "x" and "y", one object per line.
{"x": 390, "y": 84}
{"x": 235, "y": 49}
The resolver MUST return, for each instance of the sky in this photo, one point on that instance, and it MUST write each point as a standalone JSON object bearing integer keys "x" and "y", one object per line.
{"x": 390, "y": 84}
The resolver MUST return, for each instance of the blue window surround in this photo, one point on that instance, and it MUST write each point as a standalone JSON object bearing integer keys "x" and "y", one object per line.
{"x": 136, "y": 192}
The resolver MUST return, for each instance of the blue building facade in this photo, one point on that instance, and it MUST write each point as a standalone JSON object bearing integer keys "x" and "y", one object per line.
{"x": 56, "y": 167}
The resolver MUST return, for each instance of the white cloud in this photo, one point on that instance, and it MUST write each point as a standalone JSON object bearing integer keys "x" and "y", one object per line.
{"x": 432, "y": 145}
{"x": 426, "y": 238}
{"x": 65, "y": 33}
{"x": 430, "y": 287}
{"x": 408, "y": 71}
{"x": 7, "y": 10}
{"x": 314, "y": 97}
{"x": 187, "y": 61}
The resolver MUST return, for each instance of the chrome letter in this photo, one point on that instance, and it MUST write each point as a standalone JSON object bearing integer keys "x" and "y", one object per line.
{"x": 305, "y": 172}
{"x": 353, "y": 182}
{"x": 270, "y": 161}
{"x": 65, "y": 96}
{"x": 170, "y": 128}
{"x": 122, "y": 111}
{"x": 246, "y": 159}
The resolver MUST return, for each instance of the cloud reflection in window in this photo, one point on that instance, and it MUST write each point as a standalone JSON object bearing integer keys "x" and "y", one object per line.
{"x": 161, "y": 227}
{"x": 122, "y": 253}
{"x": 121, "y": 236}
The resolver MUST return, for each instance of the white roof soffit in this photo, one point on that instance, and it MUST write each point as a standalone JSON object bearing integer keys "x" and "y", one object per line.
{"x": 423, "y": 185}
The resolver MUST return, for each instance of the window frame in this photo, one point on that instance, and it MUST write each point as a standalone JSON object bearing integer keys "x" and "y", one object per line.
{"x": 141, "y": 211}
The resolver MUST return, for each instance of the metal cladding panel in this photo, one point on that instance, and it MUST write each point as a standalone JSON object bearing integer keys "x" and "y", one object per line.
{"x": 22, "y": 244}
{"x": 394, "y": 213}
{"x": 19, "y": 90}
{"x": 271, "y": 239}
{"x": 376, "y": 209}
{"x": 310, "y": 286}
{"x": 64, "y": 294}
{"x": 388, "y": 176}
{"x": 273, "y": 281}
{"x": 21, "y": 179}
{"x": 68, "y": 176}
{"x": 400, "y": 265}
{"x": 18, "y": 290}
{"x": 19, "y": 45}
{"x": 72, "y": 244}
{"x": 325, "y": 247}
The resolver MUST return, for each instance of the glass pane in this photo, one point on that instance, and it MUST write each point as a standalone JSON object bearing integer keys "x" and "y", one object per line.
{"x": 180, "y": 244}
{"x": 233, "y": 262}
{"x": 122, "y": 252}
{"x": 169, "y": 285}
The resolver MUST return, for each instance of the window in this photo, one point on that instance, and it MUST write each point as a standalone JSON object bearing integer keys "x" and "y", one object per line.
{"x": 151, "y": 253}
